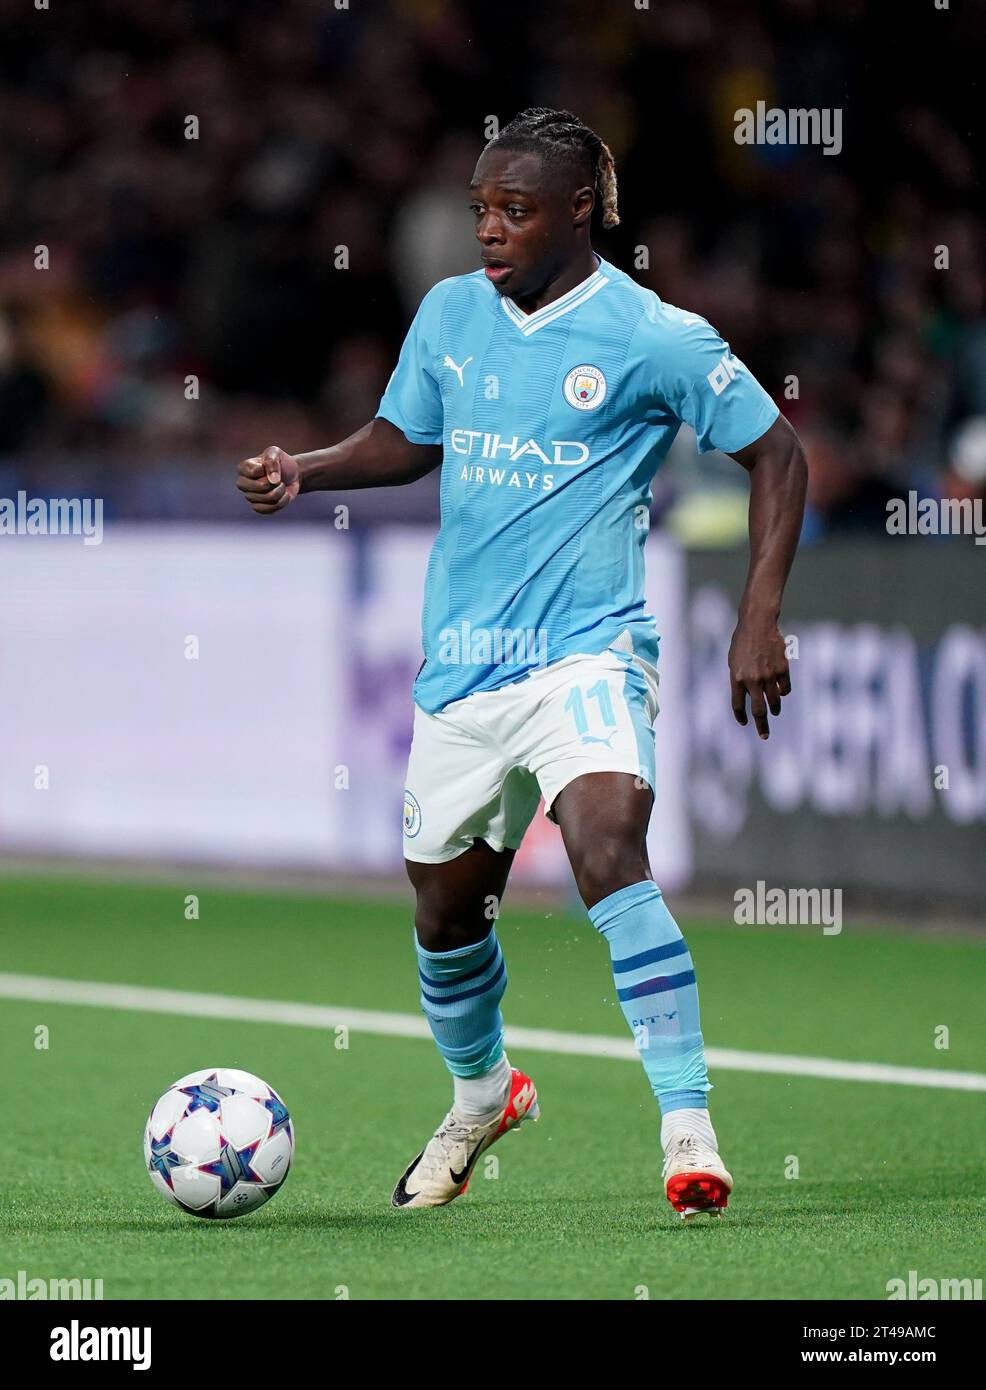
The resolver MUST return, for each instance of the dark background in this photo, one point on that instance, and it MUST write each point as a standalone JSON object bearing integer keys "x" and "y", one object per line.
{"x": 359, "y": 127}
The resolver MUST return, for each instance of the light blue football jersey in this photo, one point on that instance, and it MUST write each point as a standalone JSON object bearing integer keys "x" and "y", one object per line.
{"x": 552, "y": 424}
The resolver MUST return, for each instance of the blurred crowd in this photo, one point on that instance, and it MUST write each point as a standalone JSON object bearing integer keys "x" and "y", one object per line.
{"x": 216, "y": 221}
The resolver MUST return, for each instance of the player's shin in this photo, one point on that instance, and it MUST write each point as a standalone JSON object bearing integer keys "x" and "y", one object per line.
{"x": 460, "y": 995}
{"x": 655, "y": 984}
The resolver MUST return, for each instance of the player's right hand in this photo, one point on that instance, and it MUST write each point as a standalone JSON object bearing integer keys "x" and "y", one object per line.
{"x": 270, "y": 480}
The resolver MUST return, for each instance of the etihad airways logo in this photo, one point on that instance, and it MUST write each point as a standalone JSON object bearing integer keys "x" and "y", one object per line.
{"x": 565, "y": 453}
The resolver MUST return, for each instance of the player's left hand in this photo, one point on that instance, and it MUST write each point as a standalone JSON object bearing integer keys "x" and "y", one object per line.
{"x": 758, "y": 667}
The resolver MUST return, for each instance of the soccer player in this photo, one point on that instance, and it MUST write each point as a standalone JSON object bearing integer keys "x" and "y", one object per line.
{"x": 549, "y": 385}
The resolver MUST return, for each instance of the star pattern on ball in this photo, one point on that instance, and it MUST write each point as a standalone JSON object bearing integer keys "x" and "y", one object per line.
{"x": 163, "y": 1158}
{"x": 279, "y": 1114}
{"x": 207, "y": 1094}
{"x": 232, "y": 1165}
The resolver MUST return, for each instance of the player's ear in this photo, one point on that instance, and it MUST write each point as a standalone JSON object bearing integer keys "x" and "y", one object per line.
{"x": 583, "y": 201}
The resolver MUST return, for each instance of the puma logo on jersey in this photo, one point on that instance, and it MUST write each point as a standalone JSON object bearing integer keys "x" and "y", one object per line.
{"x": 458, "y": 370}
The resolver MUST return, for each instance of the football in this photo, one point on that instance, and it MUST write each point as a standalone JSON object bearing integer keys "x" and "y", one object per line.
{"x": 219, "y": 1143}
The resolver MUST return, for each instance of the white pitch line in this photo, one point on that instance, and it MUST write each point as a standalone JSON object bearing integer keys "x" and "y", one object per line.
{"x": 43, "y": 989}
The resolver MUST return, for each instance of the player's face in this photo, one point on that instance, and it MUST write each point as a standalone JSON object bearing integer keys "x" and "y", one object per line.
{"x": 526, "y": 220}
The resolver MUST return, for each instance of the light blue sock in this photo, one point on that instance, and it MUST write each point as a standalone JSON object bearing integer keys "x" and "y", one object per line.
{"x": 655, "y": 984}
{"x": 460, "y": 994}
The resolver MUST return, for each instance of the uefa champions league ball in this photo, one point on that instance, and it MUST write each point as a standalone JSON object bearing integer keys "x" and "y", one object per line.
{"x": 219, "y": 1143}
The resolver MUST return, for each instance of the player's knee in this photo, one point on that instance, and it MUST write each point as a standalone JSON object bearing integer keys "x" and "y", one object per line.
{"x": 606, "y": 867}
{"x": 441, "y": 924}
{"x": 433, "y": 927}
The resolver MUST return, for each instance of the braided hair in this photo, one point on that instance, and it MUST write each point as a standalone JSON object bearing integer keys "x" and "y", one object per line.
{"x": 559, "y": 136}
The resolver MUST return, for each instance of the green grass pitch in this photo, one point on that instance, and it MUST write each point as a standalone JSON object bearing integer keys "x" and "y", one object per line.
{"x": 890, "y": 1176}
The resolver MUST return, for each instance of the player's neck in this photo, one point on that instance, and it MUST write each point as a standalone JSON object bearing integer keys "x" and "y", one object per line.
{"x": 577, "y": 270}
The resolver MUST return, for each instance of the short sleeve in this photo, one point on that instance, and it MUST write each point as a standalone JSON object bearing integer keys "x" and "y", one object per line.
{"x": 412, "y": 400}
{"x": 691, "y": 371}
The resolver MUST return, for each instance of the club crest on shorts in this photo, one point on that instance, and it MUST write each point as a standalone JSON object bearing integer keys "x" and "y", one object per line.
{"x": 585, "y": 387}
{"x": 412, "y": 816}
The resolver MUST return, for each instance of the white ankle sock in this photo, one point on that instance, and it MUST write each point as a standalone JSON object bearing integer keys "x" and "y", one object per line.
{"x": 695, "y": 1122}
{"x": 480, "y": 1097}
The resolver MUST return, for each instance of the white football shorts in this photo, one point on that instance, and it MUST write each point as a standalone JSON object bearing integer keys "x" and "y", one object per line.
{"x": 478, "y": 768}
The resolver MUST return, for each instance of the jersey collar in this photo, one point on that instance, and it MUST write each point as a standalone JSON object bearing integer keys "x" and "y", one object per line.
{"x": 530, "y": 323}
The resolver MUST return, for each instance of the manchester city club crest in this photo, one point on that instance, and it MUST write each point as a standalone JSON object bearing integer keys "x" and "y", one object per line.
{"x": 412, "y": 816}
{"x": 585, "y": 388}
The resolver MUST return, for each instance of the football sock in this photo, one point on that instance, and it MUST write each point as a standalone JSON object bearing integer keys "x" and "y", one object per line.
{"x": 695, "y": 1122}
{"x": 460, "y": 995}
{"x": 655, "y": 984}
{"x": 482, "y": 1097}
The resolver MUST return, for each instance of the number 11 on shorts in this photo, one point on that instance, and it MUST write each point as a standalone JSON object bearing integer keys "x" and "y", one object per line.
{"x": 577, "y": 702}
